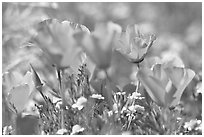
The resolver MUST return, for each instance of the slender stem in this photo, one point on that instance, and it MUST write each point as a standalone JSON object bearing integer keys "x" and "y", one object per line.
{"x": 62, "y": 96}
{"x": 130, "y": 120}
{"x": 106, "y": 72}
{"x": 62, "y": 122}
{"x": 133, "y": 103}
{"x": 155, "y": 121}
{"x": 109, "y": 93}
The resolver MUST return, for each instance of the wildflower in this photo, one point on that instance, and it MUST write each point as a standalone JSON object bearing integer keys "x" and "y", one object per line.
{"x": 77, "y": 129}
{"x": 19, "y": 97}
{"x": 18, "y": 88}
{"x": 133, "y": 45}
{"x": 13, "y": 79}
{"x": 58, "y": 104}
{"x": 98, "y": 45}
{"x": 120, "y": 93}
{"x": 134, "y": 108}
{"x": 7, "y": 130}
{"x": 193, "y": 124}
{"x": 97, "y": 96}
{"x": 131, "y": 108}
{"x": 57, "y": 42}
{"x": 80, "y": 103}
{"x": 115, "y": 107}
{"x": 136, "y": 95}
{"x": 110, "y": 113}
{"x": 164, "y": 84}
{"x": 61, "y": 132}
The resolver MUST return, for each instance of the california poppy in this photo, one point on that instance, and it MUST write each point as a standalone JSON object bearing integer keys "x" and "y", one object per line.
{"x": 18, "y": 89}
{"x": 57, "y": 42}
{"x": 165, "y": 85}
{"x": 19, "y": 96}
{"x": 133, "y": 45}
{"x": 99, "y": 44}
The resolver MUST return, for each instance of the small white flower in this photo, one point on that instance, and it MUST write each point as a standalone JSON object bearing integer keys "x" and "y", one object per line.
{"x": 136, "y": 95}
{"x": 55, "y": 99}
{"x": 59, "y": 104}
{"x": 131, "y": 108}
{"x": 123, "y": 109}
{"x": 80, "y": 103}
{"x": 134, "y": 108}
{"x": 178, "y": 118}
{"x": 77, "y": 129}
{"x": 199, "y": 87}
{"x": 66, "y": 107}
{"x": 79, "y": 107}
{"x": 110, "y": 113}
{"x": 199, "y": 122}
{"x": 6, "y": 130}
{"x": 61, "y": 131}
{"x": 138, "y": 107}
{"x": 115, "y": 107}
{"x": 120, "y": 93}
{"x": 97, "y": 96}
{"x": 191, "y": 124}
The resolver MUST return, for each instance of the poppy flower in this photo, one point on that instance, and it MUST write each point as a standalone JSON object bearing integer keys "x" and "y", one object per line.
{"x": 57, "y": 42}
{"x": 19, "y": 96}
{"x": 165, "y": 85}
{"x": 99, "y": 44}
{"x": 120, "y": 70}
{"x": 18, "y": 89}
{"x": 15, "y": 78}
{"x": 133, "y": 45}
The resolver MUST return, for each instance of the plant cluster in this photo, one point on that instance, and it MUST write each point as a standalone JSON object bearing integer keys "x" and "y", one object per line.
{"x": 103, "y": 82}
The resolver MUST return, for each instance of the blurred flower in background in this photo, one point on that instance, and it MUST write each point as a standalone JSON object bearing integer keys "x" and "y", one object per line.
{"x": 57, "y": 42}
{"x": 170, "y": 20}
{"x": 100, "y": 43}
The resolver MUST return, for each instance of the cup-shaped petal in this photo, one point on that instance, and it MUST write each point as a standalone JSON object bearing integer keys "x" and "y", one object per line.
{"x": 133, "y": 44}
{"x": 57, "y": 42}
{"x": 120, "y": 70}
{"x": 19, "y": 96}
{"x": 180, "y": 78}
{"x": 99, "y": 44}
{"x": 152, "y": 85}
{"x": 165, "y": 85}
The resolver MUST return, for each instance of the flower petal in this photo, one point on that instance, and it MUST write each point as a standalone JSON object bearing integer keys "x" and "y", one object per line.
{"x": 120, "y": 69}
{"x": 160, "y": 74}
{"x": 19, "y": 96}
{"x": 132, "y": 31}
{"x": 180, "y": 77}
{"x": 153, "y": 86}
{"x": 57, "y": 42}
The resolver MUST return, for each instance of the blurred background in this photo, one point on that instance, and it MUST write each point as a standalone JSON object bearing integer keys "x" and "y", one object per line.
{"x": 177, "y": 25}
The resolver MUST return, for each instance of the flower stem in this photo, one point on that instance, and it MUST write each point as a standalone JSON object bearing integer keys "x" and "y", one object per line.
{"x": 62, "y": 96}
{"x": 133, "y": 103}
